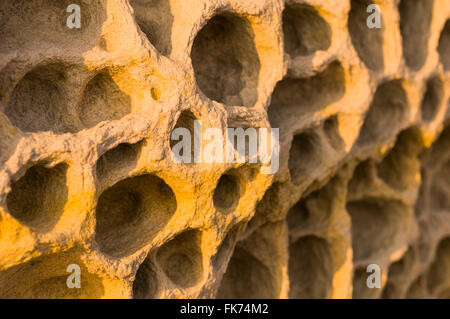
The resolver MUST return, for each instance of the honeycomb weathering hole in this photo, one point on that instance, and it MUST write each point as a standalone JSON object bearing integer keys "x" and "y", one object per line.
{"x": 444, "y": 46}
{"x": 46, "y": 277}
{"x": 131, "y": 212}
{"x": 305, "y": 31}
{"x": 415, "y": 21}
{"x": 377, "y": 224}
{"x": 312, "y": 211}
{"x": 38, "y": 198}
{"x": 103, "y": 100}
{"x": 145, "y": 284}
{"x": 181, "y": 258}
{"x": 310, "y": 268}
{"x": 155, "y": 19}
{"x": 386, "y": 113}
{"x": 401, "y": 166}
{"x": 38, "y": 101}
{"x": 227, "y": 192}
{"x": 294, "y": 96}
{"x": 186, "y": 120}
{"x": 367, "y": 42}
{"x": 225, "y": 60}
{"x": 331, "y": 129}
{"x": 246, "y": 277}
{"x": 121, "y": 157}
{"x": 304, "y": 155}
{"x": 432, "y": 99}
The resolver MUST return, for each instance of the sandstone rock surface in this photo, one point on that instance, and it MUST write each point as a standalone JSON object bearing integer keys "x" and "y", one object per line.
{"x": 86, "y": 175}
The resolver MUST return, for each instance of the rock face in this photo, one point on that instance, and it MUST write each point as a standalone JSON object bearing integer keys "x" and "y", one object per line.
{"x": 87, "y": 177}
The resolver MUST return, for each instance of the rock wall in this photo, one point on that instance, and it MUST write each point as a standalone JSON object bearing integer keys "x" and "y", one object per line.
{"x": 87, "y": 177}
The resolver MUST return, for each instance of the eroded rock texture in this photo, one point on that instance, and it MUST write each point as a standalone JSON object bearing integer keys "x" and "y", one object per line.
{"x": 86, "y": 175}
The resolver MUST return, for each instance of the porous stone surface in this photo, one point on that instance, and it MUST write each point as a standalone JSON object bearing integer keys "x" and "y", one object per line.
{"x": 86, "y": 175}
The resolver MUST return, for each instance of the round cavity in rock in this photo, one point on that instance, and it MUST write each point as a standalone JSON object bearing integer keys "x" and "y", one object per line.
{"x": 367, "y": 42}
{"x": 181, "y": 258}
{"x": 225, "y": 60}
{"x": 38, "y": 198}
{"x": 227, "y": 193}
{"x": 103, "y": 100}
{"x": 305, "y": 31}
{"x": 131, "y": 212}
{"x": 310, "y": 268}
{"x": 38, "y": 101}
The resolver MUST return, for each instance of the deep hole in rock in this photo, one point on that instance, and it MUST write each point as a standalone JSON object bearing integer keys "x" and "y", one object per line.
{"x": 377, "y": 225}
{"x": 311, "y": 211}
{"x": 123, "y": 156}
{"x": 310, "y": 268}
{"x": 401, "y": 166}
{"x": 225, "y": 60}
{"x": 38, "y": 198}
{"x": 186, "y": 120}
{"x": 38, "y": 101}
{"x": 266, "y": 207}
{"x": 155, "y": 19}
{"x": 386, "y": 113}
{"x": 295, "y": 96}
{"x": 257, "y": 265}
{"x": 432, "y": 99}
{"x": 304, "y": 156}
{"x": 444, "y": 46}
{"x": 103, "y": 100}
{"x": 181, "y": 258}
{"x": 246, "y": 277}
{"x": 415, "y": 21}
{"x": 367, "y": 42}
{"x": 227, "y": 192}
{"x": 145, "y": 284}
{"x": 46, "y": 277}
{"x": 131, "y": 212}
{"x": 305, "y": 31}
{"x": 331, "y": 129}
